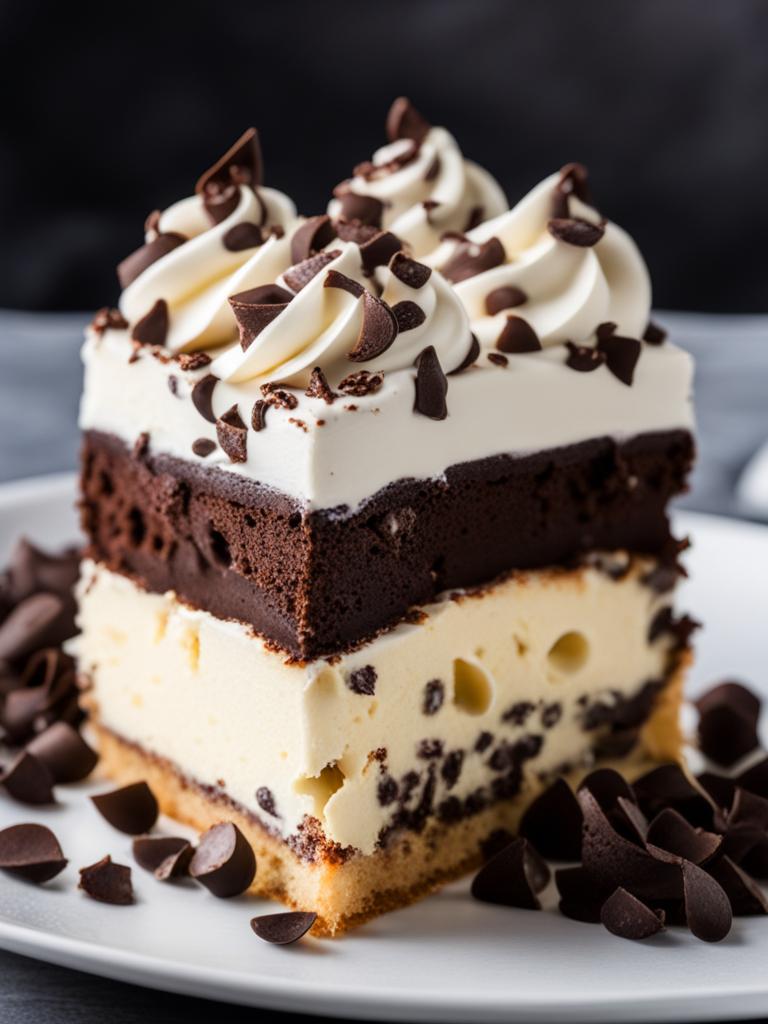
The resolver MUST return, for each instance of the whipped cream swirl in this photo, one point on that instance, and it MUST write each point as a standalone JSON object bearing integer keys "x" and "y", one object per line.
{"x": 521, "y": 264}
{"x": 419, "y": 186}
{"x": 194, "y": 263}
{"x": 344, "y": 320}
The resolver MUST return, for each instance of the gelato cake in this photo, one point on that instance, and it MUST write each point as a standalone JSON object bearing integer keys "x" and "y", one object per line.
{"x": 376, "y": 508}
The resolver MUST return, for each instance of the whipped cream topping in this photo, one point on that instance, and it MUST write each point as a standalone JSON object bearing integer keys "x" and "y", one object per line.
{"x": 339, "y": 322}
{"x": 419, "y": 185}
{"x": 562, "y": 290}
{"x": 206, "y": 259}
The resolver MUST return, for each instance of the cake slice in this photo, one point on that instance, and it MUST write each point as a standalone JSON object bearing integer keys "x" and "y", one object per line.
{"x": 365, "y": 572}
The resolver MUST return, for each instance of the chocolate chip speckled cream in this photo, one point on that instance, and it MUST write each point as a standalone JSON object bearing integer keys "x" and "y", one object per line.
{"x": 376, "y": 547}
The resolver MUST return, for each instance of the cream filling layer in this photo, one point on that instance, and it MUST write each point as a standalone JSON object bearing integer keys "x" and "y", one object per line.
{"x": 232, "y": 714}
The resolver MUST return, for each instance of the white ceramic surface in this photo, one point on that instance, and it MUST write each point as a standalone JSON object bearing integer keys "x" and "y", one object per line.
{"x": 446, "y": 959}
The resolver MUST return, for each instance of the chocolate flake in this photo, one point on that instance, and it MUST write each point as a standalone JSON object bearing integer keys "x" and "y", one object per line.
{"x": 107, "y": 882}
{"x": 408, "y": 315}
{"x": 363, "y": 681}
{"x": 553, "y": 823}
{"x": 31, "y": 851}
{"x": 378, "y": 250}
{"x": 575, "y": 231}
{"x": 107, "y": 319}
{"x": 626, "y": 916}
{"x": 670, "y": 831}
{"x": 164, "y": 856}
{"x": 133, "y": 266}
{"x": 512, "y": 878}
{"x": 259, "y": 414}
{"x": 363, "y": 209}
{"x": 233, "y": 435}
{"x": 583, "y": 358}
{"x": 284, "y": 928}
{"x": 431, "y": 386}
{"x": 319, "y": 387}
{"x": 471, "y": 258}
{"x": 131, "y": 809}
{"x": 28, "y": 780}
{"x": 377, "y": 332}
{"x": 728, "y": 716}
{"x": 335, "y": 279}
{"x": 312, "y": 236}
{"x": 152, "y": 329}
{"x": 409, "y": 272}
{"x": 669, "y": 786}
{"x": 434, "y": 695}
{"x": 203, "y": 446}
{"x": 361, "y": 383}
{"x": 654, "y": 334}
{"x": 64, "y": 752}
{"x": 405, "y": 122}
{"x": 30, "y": 625}
{"x": 278, "y": 396}
{"x": 224, "y": 861}
{"x": 506, "y": 297}
{"x": 621, "y": 355}
{"x": 241, "y": 164}
{"x": 299, "y": 275}
{"x": 744, "y": 894}
{"x": 244, "y": 235}
{"x": 518, "y": 336}
{"x": 707, "y": 908}
{"x": 256, "y": 308}
{"x": 471, "y": 357}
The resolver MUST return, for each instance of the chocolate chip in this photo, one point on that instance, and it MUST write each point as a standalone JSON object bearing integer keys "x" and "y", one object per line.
{"x": 506, "y": 297}
{"x": 512, "y": 878}
{"x": 471, "y": 357}
{"x": 553, "y": 823}
{"x": 626, "y": 916}
{"x": 233, "y": 435}
{"x": 202, "y": 396}
{"x": 241, "y": 164}
{"x": 451, "y": 767}
{"x": 583, "y": 358}
{"x": 164, "y": 856}
{"x": 266, "y": 801}
{"x": 518, "y": 336}
{"x": 131, "y": 809}
{"x": 203, "y": 446}
{"x": 107, "y": 882}
{"x": 299, "y": 275}
{"x": 471, "y": 258}
{"x": 434, "y": 695}
{"x": 335, "y": 279}
{"x": 135, "y": 264}
{"x": 361, "y": 383}
{"x": 379, "y": 250}
{"x": 654, "y": 334}
{"x": 409, "y": 272}
{"x": 377, "y": 332}
{"x": 28, "y": 780}
{"x": 575, "y": 231}
{"x": 728, "y": 716}
{"x": 312, "y": 236}
{"x": 31, "y": 851}
{"x": 498, "y": 359}
{"x": 64, "y": 752}
{"x": 744, "y": 894}
{"x": 363, "y": 209}
{"x": 670, "y": 831}
{"x": 319, "y": 387}
{"x": 224, "y": 861}
{"x": 282, "y": 929}
{"x": 107, "y": 319}
{"x": 363, "y": 680}
{"x": 707, "y": 908}
{"x": 32, "y": 624}
{"x": 243, "y": 236}
{"x": 408, "y": 315}
{"x": 431, "y": 386}
{"x": 621, "y": 356}
{"x": 405, "y": 122}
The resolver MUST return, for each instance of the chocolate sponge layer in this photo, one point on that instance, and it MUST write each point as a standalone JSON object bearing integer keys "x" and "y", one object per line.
{"x": 315, "y": 583}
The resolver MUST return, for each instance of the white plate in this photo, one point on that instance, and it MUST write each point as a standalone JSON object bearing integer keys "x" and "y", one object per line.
{"x": 446, "y": 959}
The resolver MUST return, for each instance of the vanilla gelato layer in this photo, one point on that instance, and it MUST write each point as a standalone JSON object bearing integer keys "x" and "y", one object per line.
{"x": 511, "y": 681}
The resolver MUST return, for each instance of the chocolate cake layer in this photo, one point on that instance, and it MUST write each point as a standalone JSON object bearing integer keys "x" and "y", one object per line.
{"x": 320, "y": 582}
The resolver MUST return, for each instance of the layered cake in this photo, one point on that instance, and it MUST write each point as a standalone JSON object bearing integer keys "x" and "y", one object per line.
{"x": 378, "y": 546}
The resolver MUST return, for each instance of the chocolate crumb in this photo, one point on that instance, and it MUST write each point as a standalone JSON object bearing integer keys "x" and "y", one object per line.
{"x": 233, "y": 435}
{"x": 173, "y": 385}
{"x": 192, "y": 360}
{"x": 434, "y": 695}
{"x": 364, "y": 382}
{"x": 107, "y": 319}
{"x": 429, "y": 749}
{"x": 203, "y": 446}
{"x": 319, "y": 387}
{"x": 266, "y": 801}
{"x": 363, "y": 681}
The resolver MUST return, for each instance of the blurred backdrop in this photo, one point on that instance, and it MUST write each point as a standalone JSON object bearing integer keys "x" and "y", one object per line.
{"x": 113, "y": 110}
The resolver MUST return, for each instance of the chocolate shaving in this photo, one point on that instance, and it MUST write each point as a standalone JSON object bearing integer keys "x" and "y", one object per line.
{"x": 233, "y": 435}
{"x": 606, "y": 785}
{"x": 518, "y": 336}
{"x": 553, "y": 823}
{"x": 471, "y": 258}
{"x": 621, "y": 355}
{"x": 669, "y": 786}
{"x": 583, "y": 358}
{"x": 28, "y": 780}
{"x": 241, "y": 164}
{"x": 363, "y": 209}
{"x": 728, "y": 716}
{"x": 335, "y": 279}
{"x": 224, "y": 861}
{"x": 405, "y": 122}
{"x": 299, "y": 275}
{"x": 107, "y": 319}
{"x": 31, "y": 851}
{"x": 379, "y": 250}
{"x": 755, "y": 779}
{"x": 506, "y": 297}
{"x": 581, "y": 897}
{"x": 471, "y": 357}
{"x": 575, "y": 231}
{"x": 282, "y": 929}
{"x": 408, "y": 315}
{"x": 409, "y": 272}
{"x": 312, "y": 236}
{"x": 512, "y": 878}
{"x": 431, "y": 386}
{"x": 377, "y": 332}
{"x": 354, "y": 231}
{"x": 131, "y": 809}
{"x": 707, "y": 908}
{"x": 47, "y": 690}
{"x": 259, "y": 415}
{"x": 203, "y": 446}
{"x": 744, "y": 894}
{"x": 319, "y": 387}
{"x": 256, "y": 308}
{"x": 152, "y": 329}
{"x": 202, "y": 396}
{"x": 107, "y": 882}
{"x": 34, "y": 623}
{"x": 243, "y": 236}
{"x": 64, "y": 752}
{"x": 164, "y": 856}
{"x": 670, "y": 831}
{"x": 626, "y": 916}
{"x": 654, "y": 334}
{"x": 133, "y": 266}
{"x": 361, "y": 383}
